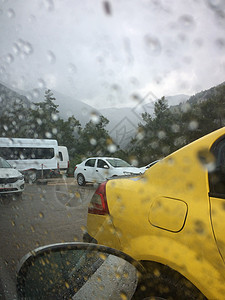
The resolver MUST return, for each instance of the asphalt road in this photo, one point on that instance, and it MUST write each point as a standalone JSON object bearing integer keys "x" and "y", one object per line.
{"x": 46, "y": 214}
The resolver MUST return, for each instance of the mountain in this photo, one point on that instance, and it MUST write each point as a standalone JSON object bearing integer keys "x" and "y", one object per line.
{"x": 68, "y": 106}
{"x": 8, "y": 97}
{"x": 206, "y": 94}
{"x": 123, "y": 122}
{"x": 177, "y": 99}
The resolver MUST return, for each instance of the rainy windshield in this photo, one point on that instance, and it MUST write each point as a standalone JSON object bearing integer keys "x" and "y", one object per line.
{"x": 134, "y": 82}
{"x": 4, "y": 163}
{"x": 117, "y": 163}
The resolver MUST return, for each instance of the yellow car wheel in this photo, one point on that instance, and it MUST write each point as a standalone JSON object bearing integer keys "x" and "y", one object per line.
{"x": 161, "y": 282}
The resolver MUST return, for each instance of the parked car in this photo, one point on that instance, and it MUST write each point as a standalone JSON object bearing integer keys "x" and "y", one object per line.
{"x": 143, "y": 169}
{"x": 171, "y": 219}
{"x": 11, "y": 180}
{"x": 99, "y": 169}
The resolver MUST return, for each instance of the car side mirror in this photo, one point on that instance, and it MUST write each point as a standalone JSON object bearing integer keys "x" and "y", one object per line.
{"x": 76, "y": 271}
{"x": 106, "y": 167}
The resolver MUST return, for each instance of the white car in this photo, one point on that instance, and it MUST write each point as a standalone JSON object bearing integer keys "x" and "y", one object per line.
{"x": 143, "y": 169}
{"x": 11, "y": 180}
{"x": 99, "y": 169}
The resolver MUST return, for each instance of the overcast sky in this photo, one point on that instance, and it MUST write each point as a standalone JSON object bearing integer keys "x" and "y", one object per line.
{"x": 103, "y": 53}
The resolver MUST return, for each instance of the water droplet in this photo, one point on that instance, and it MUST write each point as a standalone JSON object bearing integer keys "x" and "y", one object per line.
{"x": 49, "y": 5}
{"x": 123, "y": 296}
{"x": 207, "y": 159}
{"x": 9, "y": 58}
{"x": 41, "y": 215}
{"x": 153, "y": 45}
{"x": 39, "y": 121}
{"x": 27, "y": 48}
{"x": 11, "y": 13}
{"x": 157, "y": 272}
{"x": 72, "y": 68}
{"x": 93, "y": 141}
{"x": 95, "y": 118}
{"x": 84, "y": 229}
{"x": 161, "y": 135}
{"x": 112, "y": 148}
{"x": 48, "y": 135}
{"x": 102, "y": 256}
{"x": 214, "y": 3}
{"x": 186, "y": 22}
{"x": 107, "y": 8}
{"x": 55, "y": 117}
{"x": 193, "y": 125}
{"x": 175, "y": 128}
{"x": 35, "y": 93}
{"x": 51, "y": 57}
{"x": 54, "y": 130}
{"x": 32, "y": 19}
{"x": 220, "y": 43}
{"x": 41, "y": 83}
{"x": 199, "y": 227}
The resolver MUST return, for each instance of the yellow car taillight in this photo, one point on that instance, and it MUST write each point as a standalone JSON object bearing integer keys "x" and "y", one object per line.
{"x": 98, "y": 204}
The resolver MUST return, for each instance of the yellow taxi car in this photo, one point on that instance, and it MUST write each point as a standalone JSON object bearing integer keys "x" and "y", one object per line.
{"x": 172, "y": 219}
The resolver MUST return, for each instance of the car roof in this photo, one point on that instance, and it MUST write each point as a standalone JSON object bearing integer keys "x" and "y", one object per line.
{"x": 102, "y": 157}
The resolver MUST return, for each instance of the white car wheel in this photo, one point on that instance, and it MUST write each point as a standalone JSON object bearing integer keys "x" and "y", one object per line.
{"x": 80, "y": 179}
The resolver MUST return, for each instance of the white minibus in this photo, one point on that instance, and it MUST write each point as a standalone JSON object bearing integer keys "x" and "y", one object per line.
{"x": 63, "y": 160}
{"x": 35, "y": 158}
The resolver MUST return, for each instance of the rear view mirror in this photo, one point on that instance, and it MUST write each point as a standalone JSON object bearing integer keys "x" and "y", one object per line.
{"x": 76, "y": 271}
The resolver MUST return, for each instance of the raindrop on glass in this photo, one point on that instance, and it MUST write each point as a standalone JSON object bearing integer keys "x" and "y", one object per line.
{"x": 39, "y": 121}
{"x": 220, "y": 43}
{"x": 27, "y": 48}
{"x": 49, "y": 5}
{"x": 207, "y": 159}
{"x": 186, "y": 22}
{"x": 193, "y": 125}
{"x": 95, "y": 118}
{"x": 112, "y": 148}
{"x": 41, "y": 83}
{"x": 51, "y": 57}
{"x": 9, "y": 58}
{"x": 48, "y": 135}
{"x": 55, "y": 117}
{"x": 153, "y": 45}
{"x": 123, "y": 296}
{"x": 93, "y": 141}
{"x": 11, "y": 13}
{"x": 72, "y": 68}
{"x": 41, "y": 215}
{"x": 161, "y": 135}
{"x": 54, "y": 131}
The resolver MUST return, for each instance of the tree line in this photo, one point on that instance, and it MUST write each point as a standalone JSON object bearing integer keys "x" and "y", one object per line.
{"x": 158, "y": 135}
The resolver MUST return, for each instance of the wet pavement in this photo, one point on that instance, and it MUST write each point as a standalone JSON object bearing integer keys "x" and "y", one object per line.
{"x": 47, "y": 213}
